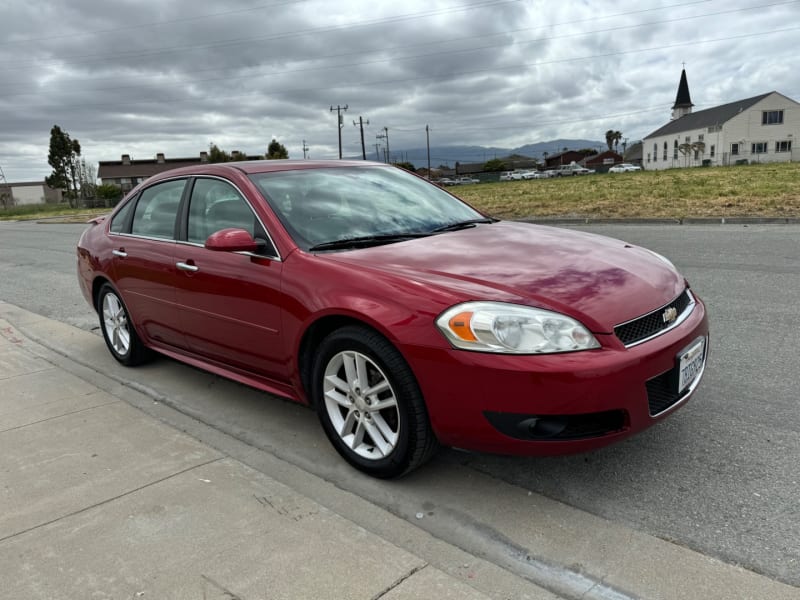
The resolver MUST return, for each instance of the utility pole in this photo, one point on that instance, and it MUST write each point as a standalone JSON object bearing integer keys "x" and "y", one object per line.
{"x": 361, "y": 124}
{"x": 305, "y": 150}
{"x": 385, "y": 136}
{"x": 377, "y": 152}
{"x": 340, "y": 123}
{"x": 428, "y": 142}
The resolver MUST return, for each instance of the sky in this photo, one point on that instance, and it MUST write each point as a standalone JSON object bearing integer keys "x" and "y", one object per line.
{"x": 140, "y": 77}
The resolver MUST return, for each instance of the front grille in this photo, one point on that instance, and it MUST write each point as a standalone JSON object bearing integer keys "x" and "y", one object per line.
{"x": 652, "y": 323}
{"x": 661, "y": 392}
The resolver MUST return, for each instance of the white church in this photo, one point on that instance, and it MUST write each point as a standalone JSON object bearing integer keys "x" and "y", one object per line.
{"x": 761, "y": 129}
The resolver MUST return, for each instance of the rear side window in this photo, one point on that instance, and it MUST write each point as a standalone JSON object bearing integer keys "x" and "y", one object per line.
{"x": 157, "y": 210}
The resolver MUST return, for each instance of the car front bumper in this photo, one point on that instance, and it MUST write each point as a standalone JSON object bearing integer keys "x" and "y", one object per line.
{"x": 558, "y": 403}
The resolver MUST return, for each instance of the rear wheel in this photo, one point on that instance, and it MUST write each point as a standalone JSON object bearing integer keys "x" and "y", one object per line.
{"x": 118, "y": 331}
{"x": 370, "y": 405}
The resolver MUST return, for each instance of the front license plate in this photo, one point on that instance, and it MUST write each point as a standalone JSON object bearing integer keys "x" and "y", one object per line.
{"x": 690, "y": 363}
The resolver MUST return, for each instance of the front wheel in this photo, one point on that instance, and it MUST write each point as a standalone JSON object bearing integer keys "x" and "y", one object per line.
{"x": 370, "y": 405}
{"x": 118, "y": 331}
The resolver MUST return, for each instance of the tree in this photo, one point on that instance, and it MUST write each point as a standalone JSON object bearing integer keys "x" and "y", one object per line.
{"x": 88, "y": 183}
{"x": 108, "y": 193}
{"x": 613, "y": 138}
{"x": 406, "y": 165}
{"x": 494, "y": 165}
{"x": 5, "y": 198}
{"x": 216, "y": 155}
{"x": 276, "y": 150}
{"x": 64, "y": 158}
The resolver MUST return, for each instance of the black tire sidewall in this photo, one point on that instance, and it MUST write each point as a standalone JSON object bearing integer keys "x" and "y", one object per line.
{"x": 402, "y": 381}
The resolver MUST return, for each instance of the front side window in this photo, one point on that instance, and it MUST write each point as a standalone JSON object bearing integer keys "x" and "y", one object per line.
{"x": 319, "y": 206}
{"x": 157, "y": 210}
{"x": 713, "y": 149}
{"x": 785, "y": 146}
{"x": 735, "y": 149}
{"x": 216, "y": 205}
{"x": 759, "y": 148}
{"x": 772, "y": 117}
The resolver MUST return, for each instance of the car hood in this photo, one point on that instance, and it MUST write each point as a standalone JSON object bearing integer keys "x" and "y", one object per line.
{"x": 601, "y": 281}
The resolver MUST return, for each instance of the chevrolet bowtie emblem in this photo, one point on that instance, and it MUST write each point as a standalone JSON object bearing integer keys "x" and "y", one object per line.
{"x": 669, "y": 315}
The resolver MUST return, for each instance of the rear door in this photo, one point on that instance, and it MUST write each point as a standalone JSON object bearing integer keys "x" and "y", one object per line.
{"x": 144, "y": 263}
{"x": 230, "y": 301}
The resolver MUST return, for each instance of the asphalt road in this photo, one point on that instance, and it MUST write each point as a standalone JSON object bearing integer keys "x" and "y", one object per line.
{"x": 722, "y": 476}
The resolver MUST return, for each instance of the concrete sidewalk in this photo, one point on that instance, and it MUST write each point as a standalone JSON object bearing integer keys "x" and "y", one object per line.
{"x": 110, "y": 488}
{"x": 100, "y": 500}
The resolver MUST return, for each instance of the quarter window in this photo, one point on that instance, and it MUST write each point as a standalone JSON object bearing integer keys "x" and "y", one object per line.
{"x": 157, "y": 210}
{"x": 759, "y": 148}
{"x": 785, "y": 146}
{"x": 119, "y": 224}
{"x": 772, "y": 117}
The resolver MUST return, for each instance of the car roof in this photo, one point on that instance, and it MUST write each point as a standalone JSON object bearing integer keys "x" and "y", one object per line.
{"x": 250, "y": 167}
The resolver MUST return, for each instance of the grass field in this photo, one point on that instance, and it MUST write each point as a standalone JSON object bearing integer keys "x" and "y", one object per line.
{"x": 771, "y": 190}
{"x": 768, "y": 190}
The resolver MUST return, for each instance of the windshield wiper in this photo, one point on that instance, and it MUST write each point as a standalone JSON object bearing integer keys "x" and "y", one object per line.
{"x": 367, "y": 240}
{"x": 463, "y": 224}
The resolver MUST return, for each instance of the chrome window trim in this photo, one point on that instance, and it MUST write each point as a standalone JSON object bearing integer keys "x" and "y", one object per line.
{"x": 681, "y": 318}
{"x": 275, "y": 257}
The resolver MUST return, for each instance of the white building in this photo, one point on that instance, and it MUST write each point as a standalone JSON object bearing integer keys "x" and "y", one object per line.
{"x": 28, "y": 192}
{"x": 764, "y": 128}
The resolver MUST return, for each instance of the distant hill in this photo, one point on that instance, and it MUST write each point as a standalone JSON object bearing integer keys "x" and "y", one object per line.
{"x": 450, "y": 155}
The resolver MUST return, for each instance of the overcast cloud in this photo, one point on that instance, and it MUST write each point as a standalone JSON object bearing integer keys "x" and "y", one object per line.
{"x": 147, "y": 76}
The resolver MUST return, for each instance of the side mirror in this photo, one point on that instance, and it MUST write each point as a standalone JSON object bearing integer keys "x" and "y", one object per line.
{"x": 232, "y": 240}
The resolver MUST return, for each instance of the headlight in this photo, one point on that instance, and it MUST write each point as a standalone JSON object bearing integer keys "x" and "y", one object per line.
{"x": 512, "y": 329}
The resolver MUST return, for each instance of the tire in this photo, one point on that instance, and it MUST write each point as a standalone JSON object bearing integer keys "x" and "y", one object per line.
{"x": 121, "y": 338}
{"x": 384, "y": 430}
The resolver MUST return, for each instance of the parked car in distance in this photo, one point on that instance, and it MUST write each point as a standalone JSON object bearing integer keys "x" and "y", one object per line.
{"x": 550, "y": 173}
{"x": 506, "y": 176}
{"x": 573, "y": 169}
{"x": 624, "y": 168}
{"x": 403, "y": 316}
{"x": 467, "y": 180}
{"x": 447, "y": 181}
{"x": 534, "y": 175}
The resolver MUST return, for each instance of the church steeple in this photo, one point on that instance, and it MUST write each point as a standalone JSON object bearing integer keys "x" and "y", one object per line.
{"x": 683, "y": 102}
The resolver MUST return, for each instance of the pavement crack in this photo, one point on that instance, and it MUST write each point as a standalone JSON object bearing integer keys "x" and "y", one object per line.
{"x": 229, "y": 595}
{"x": 67, "y": 414}
{"x": 397, "y": 582}
{"x": 107, "y": 500}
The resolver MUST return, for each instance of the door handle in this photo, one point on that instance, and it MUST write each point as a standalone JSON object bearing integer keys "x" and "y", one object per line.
{"x": 187, "y": 267}
{"x": 121, "y": 253}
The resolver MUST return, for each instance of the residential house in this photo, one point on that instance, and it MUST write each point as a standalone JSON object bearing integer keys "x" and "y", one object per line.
{"x": 563, "y": 158}
{"x": 602, "y": 161}
{"x": 127, "y": 173}
{"x": 763, "y": 128}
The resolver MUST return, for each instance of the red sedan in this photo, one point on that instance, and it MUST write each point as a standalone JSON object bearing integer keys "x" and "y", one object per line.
{"x": 405, "y": 317}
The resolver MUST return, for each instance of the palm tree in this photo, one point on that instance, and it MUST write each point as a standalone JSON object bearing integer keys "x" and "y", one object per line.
{"x": 610, "y": 139}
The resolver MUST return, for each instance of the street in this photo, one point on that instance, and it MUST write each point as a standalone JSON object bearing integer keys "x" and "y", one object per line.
{"x": 721, "y": 476}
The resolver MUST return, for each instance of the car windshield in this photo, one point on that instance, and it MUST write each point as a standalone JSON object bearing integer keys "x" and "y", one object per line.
{"x": 321, "y": 207}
